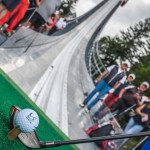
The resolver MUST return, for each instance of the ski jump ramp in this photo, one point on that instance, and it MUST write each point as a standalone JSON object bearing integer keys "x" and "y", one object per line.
{"x": 52, "y": 71}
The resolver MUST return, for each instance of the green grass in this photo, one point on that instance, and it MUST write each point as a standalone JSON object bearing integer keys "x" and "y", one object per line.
{"x": 11, "y": 94}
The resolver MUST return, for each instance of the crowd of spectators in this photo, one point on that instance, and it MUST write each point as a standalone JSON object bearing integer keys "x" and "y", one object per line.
{"x": 122, "y": 97}
{"x": 44, "y": 16}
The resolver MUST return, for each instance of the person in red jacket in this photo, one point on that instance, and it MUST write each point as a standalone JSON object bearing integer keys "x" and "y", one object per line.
{"x": 49, "y": 24}
{"x": 18, "y": 13}
{"x": 7, "y": 5}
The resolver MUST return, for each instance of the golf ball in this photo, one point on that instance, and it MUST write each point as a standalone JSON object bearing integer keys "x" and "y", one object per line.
{"x": 27, "y": 120}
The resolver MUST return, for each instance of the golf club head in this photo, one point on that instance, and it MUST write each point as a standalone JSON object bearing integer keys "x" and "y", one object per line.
{"x": 30, "y": 140}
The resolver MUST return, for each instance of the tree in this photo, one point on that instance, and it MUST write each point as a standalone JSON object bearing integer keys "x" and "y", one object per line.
{"x": 132, "y": 44}
{"x": 142, "y": 72}
{"x": 68, "y": 5}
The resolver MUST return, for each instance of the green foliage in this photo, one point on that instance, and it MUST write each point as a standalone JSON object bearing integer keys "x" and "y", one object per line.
{"x": 68, "y": 5}
{"x": 132, "y": 44}
{"x": 142, "y": 72}
{"x": 112, "y": 49}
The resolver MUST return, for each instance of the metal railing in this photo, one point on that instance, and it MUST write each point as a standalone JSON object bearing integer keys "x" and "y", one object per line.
{"x": 93, "y": 61}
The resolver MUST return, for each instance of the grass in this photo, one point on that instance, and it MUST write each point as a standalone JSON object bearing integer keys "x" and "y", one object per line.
{"x": 11, "y": 94}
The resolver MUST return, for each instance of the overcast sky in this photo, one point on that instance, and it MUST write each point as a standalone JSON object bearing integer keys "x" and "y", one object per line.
{"x": 130, "y": 14}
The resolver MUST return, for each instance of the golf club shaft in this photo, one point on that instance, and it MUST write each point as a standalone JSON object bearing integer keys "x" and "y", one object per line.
{"x": 103, "y": 138}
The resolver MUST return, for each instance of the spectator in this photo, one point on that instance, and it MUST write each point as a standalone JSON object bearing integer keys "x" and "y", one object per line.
{"x": 52, "y": 20}
{"x": 111, "y": 79}
{"x": 113, "y": 97}
{"x": 58, "y": 13}
{"x": 131, "y": 96}
{"x": 43, "y": 13}
{"x": 60, "y": 25}
{"x": 18, "y": 13}
{"x": 34, "y": 4}
{"x": 48, "y": 25}
{"x": 7, "y": 5}
{"x": 139, "y": 121}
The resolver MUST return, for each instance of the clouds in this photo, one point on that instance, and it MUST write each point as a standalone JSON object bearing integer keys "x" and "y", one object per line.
{"x": 124, "y": 17}
{"x": 84, "y": 5}
{"x": 147, "y": 2}
{"x": 133, "y": 12}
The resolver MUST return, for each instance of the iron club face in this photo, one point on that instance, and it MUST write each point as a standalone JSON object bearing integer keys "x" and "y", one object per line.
{"x": 30, "y": 140}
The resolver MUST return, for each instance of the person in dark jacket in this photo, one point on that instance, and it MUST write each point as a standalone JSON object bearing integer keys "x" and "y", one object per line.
{"x": 138, "y": 122}
{"x": 111, "y": 79}
{"x": 3, "y": 10}
{"x": 112, "y": 98}
{"x": 131, "y": 96}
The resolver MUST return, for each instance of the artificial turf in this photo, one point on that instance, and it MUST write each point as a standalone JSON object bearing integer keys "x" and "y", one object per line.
{"x": 11, "y": 94}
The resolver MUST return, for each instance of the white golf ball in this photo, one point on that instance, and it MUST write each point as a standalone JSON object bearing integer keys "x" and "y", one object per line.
{"x": 27, "y": 120}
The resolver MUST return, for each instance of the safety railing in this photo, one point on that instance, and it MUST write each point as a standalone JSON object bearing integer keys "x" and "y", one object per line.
{"x": 93, "y": 61}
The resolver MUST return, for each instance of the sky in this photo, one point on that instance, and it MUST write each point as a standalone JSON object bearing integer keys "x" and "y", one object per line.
{"x": 133, "y": 12}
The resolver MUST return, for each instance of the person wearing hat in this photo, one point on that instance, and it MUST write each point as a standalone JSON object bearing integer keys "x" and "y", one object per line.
{"x": 130, "y": 96}
{"x": 112, "y": 98}
{"x": 111, "y": 79}
{"x": 59, "y": 12}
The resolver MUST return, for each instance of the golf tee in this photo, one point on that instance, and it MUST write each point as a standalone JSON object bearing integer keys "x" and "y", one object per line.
{"x": 13, "y": 133}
